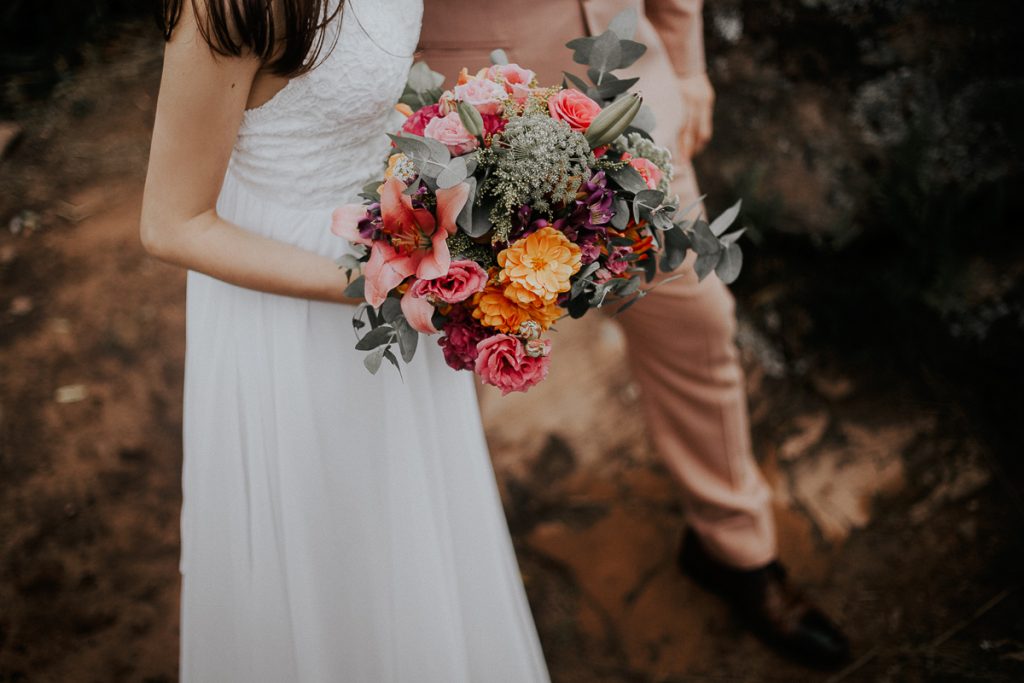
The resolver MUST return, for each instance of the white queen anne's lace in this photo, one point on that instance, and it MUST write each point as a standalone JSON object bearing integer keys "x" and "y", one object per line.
{"x": 322, "y": 137}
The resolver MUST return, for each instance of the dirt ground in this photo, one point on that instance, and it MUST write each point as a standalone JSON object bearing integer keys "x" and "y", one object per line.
{"x": 891, "y": 510}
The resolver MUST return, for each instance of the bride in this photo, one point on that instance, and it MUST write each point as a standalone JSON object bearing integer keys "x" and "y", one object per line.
{"x": 336, "y": 526}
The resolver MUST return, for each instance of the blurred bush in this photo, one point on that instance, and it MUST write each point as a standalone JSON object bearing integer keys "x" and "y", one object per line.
{"x": 41, "y": 41}
{"x": 877, "y": 145}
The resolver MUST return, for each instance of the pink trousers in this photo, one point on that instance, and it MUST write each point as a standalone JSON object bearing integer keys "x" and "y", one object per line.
{"x": 683, "y": 355}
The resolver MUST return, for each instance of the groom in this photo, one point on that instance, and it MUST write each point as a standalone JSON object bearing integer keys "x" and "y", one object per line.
{"x": 681, "y": 339}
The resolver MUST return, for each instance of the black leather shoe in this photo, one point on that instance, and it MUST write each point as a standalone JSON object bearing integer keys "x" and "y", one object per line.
{"x": 770, "y": 605}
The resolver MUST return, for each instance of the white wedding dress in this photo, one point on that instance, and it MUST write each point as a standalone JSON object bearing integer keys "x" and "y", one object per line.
{"x": 336, "y": 526}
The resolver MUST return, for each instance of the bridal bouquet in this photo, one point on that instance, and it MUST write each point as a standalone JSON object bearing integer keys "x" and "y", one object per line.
{"x": 507, "y": 204}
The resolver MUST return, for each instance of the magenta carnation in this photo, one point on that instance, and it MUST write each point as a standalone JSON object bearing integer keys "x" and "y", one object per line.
{"x": 461, "y": 335}
{"x": 417, "y": 123}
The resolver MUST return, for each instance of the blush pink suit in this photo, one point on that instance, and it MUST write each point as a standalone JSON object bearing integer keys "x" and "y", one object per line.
{"x": 680, "y": 338}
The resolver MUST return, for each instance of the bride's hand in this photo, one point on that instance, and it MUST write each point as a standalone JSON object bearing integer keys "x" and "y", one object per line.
{"x": 698, "y": 107}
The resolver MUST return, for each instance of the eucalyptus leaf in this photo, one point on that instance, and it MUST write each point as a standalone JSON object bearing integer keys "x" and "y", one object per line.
{"x": 356, "y": 289}
{"x": 703, "y": 240}
{"x": 376, "y": 337}
{"x": 348, "y": 262}
{"x": 630, "y": 52}
{"x": 662, "y": 220}
{"x": 480, "y": 224}
{"x": 453, "y": 174}
{"x": 611, "y": 87}
{"x": 391, "y": 309}
{"x": 412, "y": 146}
{"x": 465, "y": 218}
{"x": 628, "y": 304}
{"x": 727, "y": 217}
{"x": 580, "y": 282}
{"x": 674, "y": 251}
{"x": 646, "y": 201}
{"x": 408, "y": 338}
{"x": 373, "y": 360}
{"x": 422, "y": 78}
{"x": 631, "y": 286}
{"x": 389, "y": 354}
{"x": 499, "y": 57}
{"x": 624, "y": 24}
{"x": 620, "y": 219}
{"x": 706, "y": 263}
{"x": 376, "y": 319}
{"x": 651, "y": 268}
{"x": 581, "y": 48}
{"x": 728, "y": 268}
{"x": 370, "y": 190}
{"x": 732, "y": 236}
{"x": 604, "y": 56}
{"x": 576, "y": 81}
{"x": 579, "y": 306}
{"x": 629, "y": 179}
{"x": 690, "y": 207}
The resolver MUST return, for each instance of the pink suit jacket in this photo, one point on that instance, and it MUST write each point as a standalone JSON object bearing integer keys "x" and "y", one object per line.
{"x": 461, "y": 33}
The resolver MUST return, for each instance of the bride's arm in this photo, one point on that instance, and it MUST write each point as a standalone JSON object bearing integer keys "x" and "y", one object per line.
{"x": 202, "y": 100}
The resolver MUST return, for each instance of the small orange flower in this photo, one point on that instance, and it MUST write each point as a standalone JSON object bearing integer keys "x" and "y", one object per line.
{"x": 537, "y": 268}
{"x": 493, "y": 308}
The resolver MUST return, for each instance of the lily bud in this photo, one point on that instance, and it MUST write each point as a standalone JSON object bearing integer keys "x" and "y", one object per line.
{"x": 471, "y": 119}
{"x": 613, "y": 120}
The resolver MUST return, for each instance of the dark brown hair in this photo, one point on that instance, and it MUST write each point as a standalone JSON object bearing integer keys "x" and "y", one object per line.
{"x": 287, "y": 35}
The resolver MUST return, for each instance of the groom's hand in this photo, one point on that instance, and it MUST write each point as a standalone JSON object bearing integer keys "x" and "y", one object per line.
{"x": 698, "y": 106}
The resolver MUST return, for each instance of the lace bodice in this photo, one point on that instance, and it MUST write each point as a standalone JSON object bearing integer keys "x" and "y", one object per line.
{"x": 322, "y": 137}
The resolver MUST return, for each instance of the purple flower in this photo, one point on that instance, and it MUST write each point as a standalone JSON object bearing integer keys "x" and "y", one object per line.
{"x": 617, "y": 263}
{"x": 591, "y": 251}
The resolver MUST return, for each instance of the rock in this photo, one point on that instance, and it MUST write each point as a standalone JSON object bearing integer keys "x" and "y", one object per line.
{"x": 810, "y": 428}
{"x": 71, "y": 393}
{"x": 833, "y": 387}
{"x": 838, "y": 486}
{"x": 10, "y": 133}
{"x": 21, "y": 305}
{"x": 968, "y": 477}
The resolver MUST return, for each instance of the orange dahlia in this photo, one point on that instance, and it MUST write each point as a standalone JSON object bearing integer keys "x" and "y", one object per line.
{"x": 493, "y": 308}
{"x": 537, "y": 268}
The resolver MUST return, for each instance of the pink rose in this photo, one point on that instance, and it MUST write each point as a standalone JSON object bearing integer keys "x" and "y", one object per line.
{"x": 502, "y": 362}
{"x": 487, "y": 96}
{"x": 449, "y": 131}
{"x": 515, "y": 78}
{"x": 646, "y": 168}
{"x": 574, "y": 108}
{"x": 510, "y": 74}
{"x": 464, "y": 279}
{"x": 416, "y": 123}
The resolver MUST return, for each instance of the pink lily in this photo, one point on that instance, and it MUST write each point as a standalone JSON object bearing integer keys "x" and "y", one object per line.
{"x": 415, "y": 242}
{"x": 418, "y": 311}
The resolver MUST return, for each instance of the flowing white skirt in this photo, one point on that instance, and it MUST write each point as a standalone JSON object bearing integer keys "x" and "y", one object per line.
{"x": 336, "y": 526}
